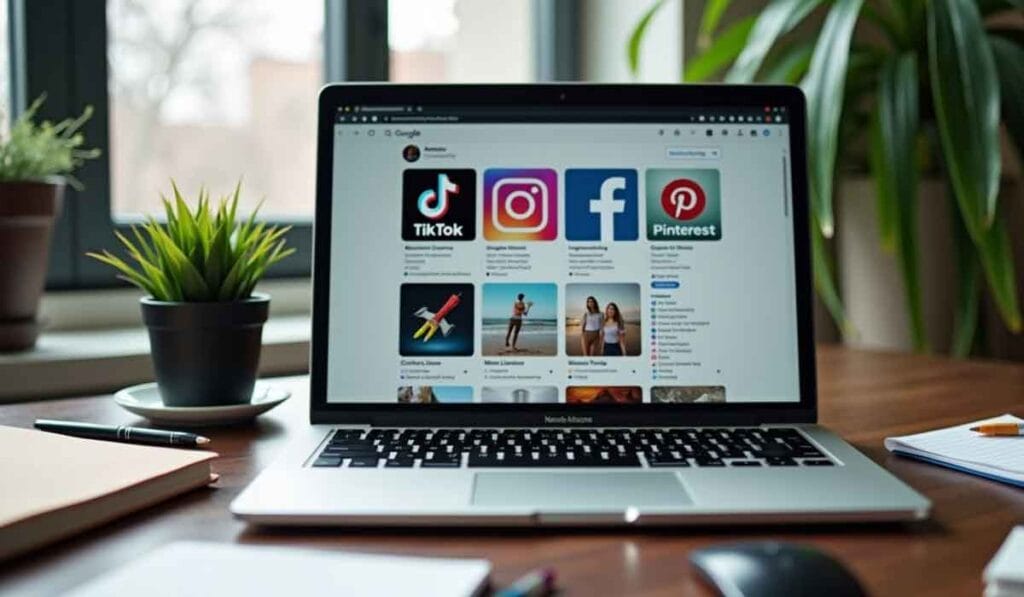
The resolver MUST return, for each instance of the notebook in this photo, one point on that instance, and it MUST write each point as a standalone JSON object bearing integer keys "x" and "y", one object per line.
{"x": 56, "y": 485}
{"x": 229, "y": 569}
{"x": 1004, "y": 575}
{"x": 996, "y": 458}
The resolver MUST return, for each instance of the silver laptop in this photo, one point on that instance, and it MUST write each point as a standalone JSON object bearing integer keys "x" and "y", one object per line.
{"x": 565, "y": 305}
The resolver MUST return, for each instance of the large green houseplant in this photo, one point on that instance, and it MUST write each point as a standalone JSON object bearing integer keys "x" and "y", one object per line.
{"x": 923, "y": 86}
{"x": 199, "y": 270}
{"x": 37, "y": 160}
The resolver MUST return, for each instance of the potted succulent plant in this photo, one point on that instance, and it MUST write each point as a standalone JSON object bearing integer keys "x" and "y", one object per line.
{"x": 36, "y": 162}
{"x": 199, "y": 270}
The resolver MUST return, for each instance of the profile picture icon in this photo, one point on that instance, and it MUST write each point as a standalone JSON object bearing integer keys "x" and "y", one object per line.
{"x": 411, "y": 153}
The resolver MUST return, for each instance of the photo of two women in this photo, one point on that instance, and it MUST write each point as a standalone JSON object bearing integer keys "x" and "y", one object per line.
{"x": 602, "y": 320}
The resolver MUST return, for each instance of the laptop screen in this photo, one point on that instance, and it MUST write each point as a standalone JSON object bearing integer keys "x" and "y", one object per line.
{"x": 590, "y": 255}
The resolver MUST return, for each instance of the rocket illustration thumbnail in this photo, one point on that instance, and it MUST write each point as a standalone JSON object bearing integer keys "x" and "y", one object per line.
{"x": 433, "y": 321}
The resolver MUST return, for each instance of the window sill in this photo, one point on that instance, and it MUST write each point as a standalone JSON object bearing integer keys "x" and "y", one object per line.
{"x": 75, "y": 362}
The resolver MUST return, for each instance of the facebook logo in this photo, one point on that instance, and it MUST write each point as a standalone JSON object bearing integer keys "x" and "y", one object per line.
{"x": 601, "y": 204}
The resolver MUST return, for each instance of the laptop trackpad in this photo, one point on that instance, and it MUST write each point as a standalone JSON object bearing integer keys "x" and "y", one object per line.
{"x": 579, "y": 490}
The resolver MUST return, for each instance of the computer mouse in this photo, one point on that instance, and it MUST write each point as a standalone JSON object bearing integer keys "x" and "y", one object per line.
{"x": 773, "y": 569}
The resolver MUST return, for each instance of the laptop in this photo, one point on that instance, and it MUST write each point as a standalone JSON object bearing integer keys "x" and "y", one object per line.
{"x": 565, "y": 305}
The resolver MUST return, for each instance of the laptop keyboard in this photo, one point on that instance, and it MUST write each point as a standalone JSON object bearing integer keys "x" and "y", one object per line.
{"x": 647, "y": 447}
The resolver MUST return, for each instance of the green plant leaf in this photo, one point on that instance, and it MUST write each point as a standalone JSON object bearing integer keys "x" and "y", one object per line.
{"x": 965, "y": 92}
{"x": 968, "y": 287}
{"x": 824, "y": 86}
{"x": 636, "y": 38}
{"x": 895, "y": 168}
{"x": 201, "y": 253}
{"x": 722, "y": 51}
{"x": 824, "y": 281}
{"x": 773, "y": 21}
{"x": 886, "y": 23}
{"x": 789, "y": 65}
{"x": 1009, "y": 59}
{"x": 36, "y": 150}
{"x": 709, "y": 19}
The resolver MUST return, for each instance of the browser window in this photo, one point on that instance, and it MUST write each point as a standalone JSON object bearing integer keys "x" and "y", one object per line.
{"x": 487, "y": 255}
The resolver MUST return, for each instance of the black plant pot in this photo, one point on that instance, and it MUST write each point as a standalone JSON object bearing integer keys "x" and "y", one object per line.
{"x": 206, "y": 354}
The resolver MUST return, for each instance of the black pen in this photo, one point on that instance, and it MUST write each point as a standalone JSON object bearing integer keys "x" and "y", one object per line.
{"x": 123, "y": 433}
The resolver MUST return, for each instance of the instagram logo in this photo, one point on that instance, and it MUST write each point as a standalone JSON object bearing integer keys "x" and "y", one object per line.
{"x": 520, "y": 204}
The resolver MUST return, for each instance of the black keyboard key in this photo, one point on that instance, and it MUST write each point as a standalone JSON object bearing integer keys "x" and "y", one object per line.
{"x": 327, "y": 461}
{"x": 776, "y": 461}
{"x": 744, "y": 463}
{"x": 709, "y": 462}
{"x": 664, "y": 461}
{"x": 483, "y": 460}
{"x": 399, "y": 463}
{"x": 363, "y": 462}
{"x": 441, "y": 461}
{"x": 818, "y": 463}
{"x": 353, "y": 454}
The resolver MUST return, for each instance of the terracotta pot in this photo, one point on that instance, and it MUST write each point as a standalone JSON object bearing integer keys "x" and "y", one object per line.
{"x": 27, "y": 213}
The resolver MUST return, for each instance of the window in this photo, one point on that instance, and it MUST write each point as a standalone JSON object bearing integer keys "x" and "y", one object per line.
{"x": 206, "y": 91}
{"x": 460, "y": 41}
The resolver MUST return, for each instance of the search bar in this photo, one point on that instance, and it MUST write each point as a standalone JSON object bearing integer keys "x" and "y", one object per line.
{"x": 693, "y": 153}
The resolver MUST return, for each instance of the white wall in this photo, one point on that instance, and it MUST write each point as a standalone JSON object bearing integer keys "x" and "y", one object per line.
{"x": 606, "y": 28}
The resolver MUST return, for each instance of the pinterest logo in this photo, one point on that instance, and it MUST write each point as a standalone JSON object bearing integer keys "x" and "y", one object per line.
{"x": 683, "y": 199}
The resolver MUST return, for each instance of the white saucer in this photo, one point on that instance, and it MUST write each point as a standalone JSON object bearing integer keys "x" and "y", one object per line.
{"x": 144, "y": 400}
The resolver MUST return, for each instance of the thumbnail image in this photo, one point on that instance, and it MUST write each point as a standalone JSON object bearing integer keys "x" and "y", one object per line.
{"x": 520, "y": 394}
{"x": 435, "y": 394}
{"x": 436, "y": 320}
{"x": 520, "y": 204}
{"x": 439, "y": 205}
{"x": 687, "y": 394}
{"x": 602, "y": 320}
{"x": 601, "y": 204}
{"x": 604, "y": 395}
{"x": 683, "y": 204}
{"x": 520, "y": 319}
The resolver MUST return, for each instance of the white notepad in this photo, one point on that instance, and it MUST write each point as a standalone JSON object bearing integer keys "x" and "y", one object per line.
{"x": 997, "y": 458}
{"x": 1005, "y": 573}
{"x": 194, "y": 568}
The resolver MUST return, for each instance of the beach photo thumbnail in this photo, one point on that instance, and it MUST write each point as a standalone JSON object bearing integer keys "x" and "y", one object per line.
{"x": 519, "y": 394}
{"x": 435, "y": 394}
{"x": 604, "y": 395}
{"x": 687, "y": 394}
{"x": 602, "y": 320}
{"x": 520, "y": 319}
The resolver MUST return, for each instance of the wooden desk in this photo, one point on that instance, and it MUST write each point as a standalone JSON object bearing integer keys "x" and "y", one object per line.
{"x": 864, "y": 396}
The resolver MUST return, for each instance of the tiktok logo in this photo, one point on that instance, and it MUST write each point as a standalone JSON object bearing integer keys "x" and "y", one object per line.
{"x": 438, "y": 205}
{"x": 432, "y": 203}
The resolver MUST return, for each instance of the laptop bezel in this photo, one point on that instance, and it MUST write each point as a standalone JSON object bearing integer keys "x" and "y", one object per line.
{"x": 560, "y": 415}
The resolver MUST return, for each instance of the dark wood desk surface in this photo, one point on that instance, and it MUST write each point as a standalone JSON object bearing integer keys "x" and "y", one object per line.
{"x": 864, "y": 396}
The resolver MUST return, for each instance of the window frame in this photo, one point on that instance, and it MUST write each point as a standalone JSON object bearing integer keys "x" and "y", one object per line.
{"x": 60, "y": 47}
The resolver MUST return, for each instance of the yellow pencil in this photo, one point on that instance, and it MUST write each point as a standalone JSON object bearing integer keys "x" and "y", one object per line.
{"x": 1000, "y": 429}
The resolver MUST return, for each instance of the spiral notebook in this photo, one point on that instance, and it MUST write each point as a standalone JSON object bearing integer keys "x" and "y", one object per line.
{"x": 997, "y": 458}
